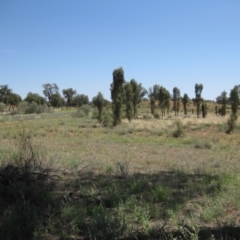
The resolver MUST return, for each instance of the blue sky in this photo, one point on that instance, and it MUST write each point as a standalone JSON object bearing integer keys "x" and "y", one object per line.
{"x": 78, "y": 43}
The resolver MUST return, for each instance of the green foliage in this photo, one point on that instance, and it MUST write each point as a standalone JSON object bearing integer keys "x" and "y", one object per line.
{"x": 79, "y": 100}
{"x": 69, "y": 95}
{"x": 152, "y": 102}
{"x": 57, "y": 100}
{"x": 86, "y": 109}
{"x": 107, "y": 225}
{"x": 33, "y": 107}
{"x": 12, "y": 99}
{"x": 138, "y": 94}
{"x": 185, "y": 101}
{"x": 107, "y": 119}
{"x": 4, "y": 91}
{"x": 164, "y": 99}
{"x": 176, "y": 100}
{"x": 161, "y": 193}
{"x": 198, "y": 98}
{"x": 222, "y": 99}
{"x": 204, "y": 109}
{"x": 98, "y": 102}
{"x": 231, "y": 123}
{"x": 49, "y": 90}
{"x": 116, "y": 95}
{"x": 154, "y": 91}
{"x": 234, "y": 99}
{"x": 35, "y": 97}
{"x": 129, "y": 101}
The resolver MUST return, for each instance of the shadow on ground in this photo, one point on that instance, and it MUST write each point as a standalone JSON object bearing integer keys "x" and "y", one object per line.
{"x": 50, "y": 204}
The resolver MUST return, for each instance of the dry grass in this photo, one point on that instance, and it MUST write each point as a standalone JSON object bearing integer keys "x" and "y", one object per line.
{"x": 148, "y": 148}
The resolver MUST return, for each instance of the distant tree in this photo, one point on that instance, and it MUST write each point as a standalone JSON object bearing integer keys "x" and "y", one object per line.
{"x": 154, "y": 91}
{"x": 198, "y": 99}
{"x": 164, "y": 99}
{"x": 116, "y": 95}
{"x": 204, "y": 109}
{"x": 185, "y": 101}
{"x": 80, "y": 99}
{"x": 152, "y": 102}
{"x": 138, "y": 94}
{"x": 176, "y": 100}
{"x": 57, "y": 100}
{"x": 4, "y": 91}
{"x": 2, "y": 108}
{"x": 129, "y": 100}
{"x": 12, "y": 100}
{"x": 98, "y": 102}
{"x": 49, "y": 90}
{"x": 222, "y": 99}
{"x": 35, "y": 97}
{"x": 69, "y": 94}
{"x": 234, "y": 99}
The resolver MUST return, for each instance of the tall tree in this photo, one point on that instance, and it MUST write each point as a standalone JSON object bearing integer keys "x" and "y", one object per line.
{"x": 198, "y": 98}
{"x": 68, "y": 94}
{"x": 116, "y": 95}
{"x": 129, "y": 100}
{"x": 204, "y": 109}
{"x": 154, "y": 91}
{"x": 152, "y": 102}
{"x": 98, "y": 102}
{"x": 185, "y": 101}
{"x": 49, "y": 90}
{"x": 222, "y": 99}
{"x": 138, "y": 93}
{"x": 234, "y": 99}
{"x": 164, "y": 99}
{"x": 176, "y": 100}
{"x": 57, "y": 100}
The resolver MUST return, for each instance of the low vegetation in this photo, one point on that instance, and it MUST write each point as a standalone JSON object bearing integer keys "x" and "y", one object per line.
{"x": 67, "y": 176}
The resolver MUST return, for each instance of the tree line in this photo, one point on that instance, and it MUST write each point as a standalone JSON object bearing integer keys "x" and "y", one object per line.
{"x": 127, "y": 93}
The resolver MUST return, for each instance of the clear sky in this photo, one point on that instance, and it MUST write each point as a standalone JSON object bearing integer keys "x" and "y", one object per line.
{"x": 78, "y": 43}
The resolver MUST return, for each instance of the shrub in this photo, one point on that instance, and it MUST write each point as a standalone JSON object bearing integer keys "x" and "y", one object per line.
{"x": 107, "y": 119}
{"x": 156, "y": 115}
{"x": 179, "y": 132}
{"x": 86, "y": 109}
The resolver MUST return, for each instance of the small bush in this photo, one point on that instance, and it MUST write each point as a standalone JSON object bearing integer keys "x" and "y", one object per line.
{"x": 86, "y": 109}
{"x": 179, "y": 132}
{"x": 156, "y": 115}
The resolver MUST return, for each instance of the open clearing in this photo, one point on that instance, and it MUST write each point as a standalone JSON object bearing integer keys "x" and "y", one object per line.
{"x": 135, "y": 181}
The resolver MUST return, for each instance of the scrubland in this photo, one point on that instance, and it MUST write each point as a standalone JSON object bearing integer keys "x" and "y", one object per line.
{"x": 69, "y": 177}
